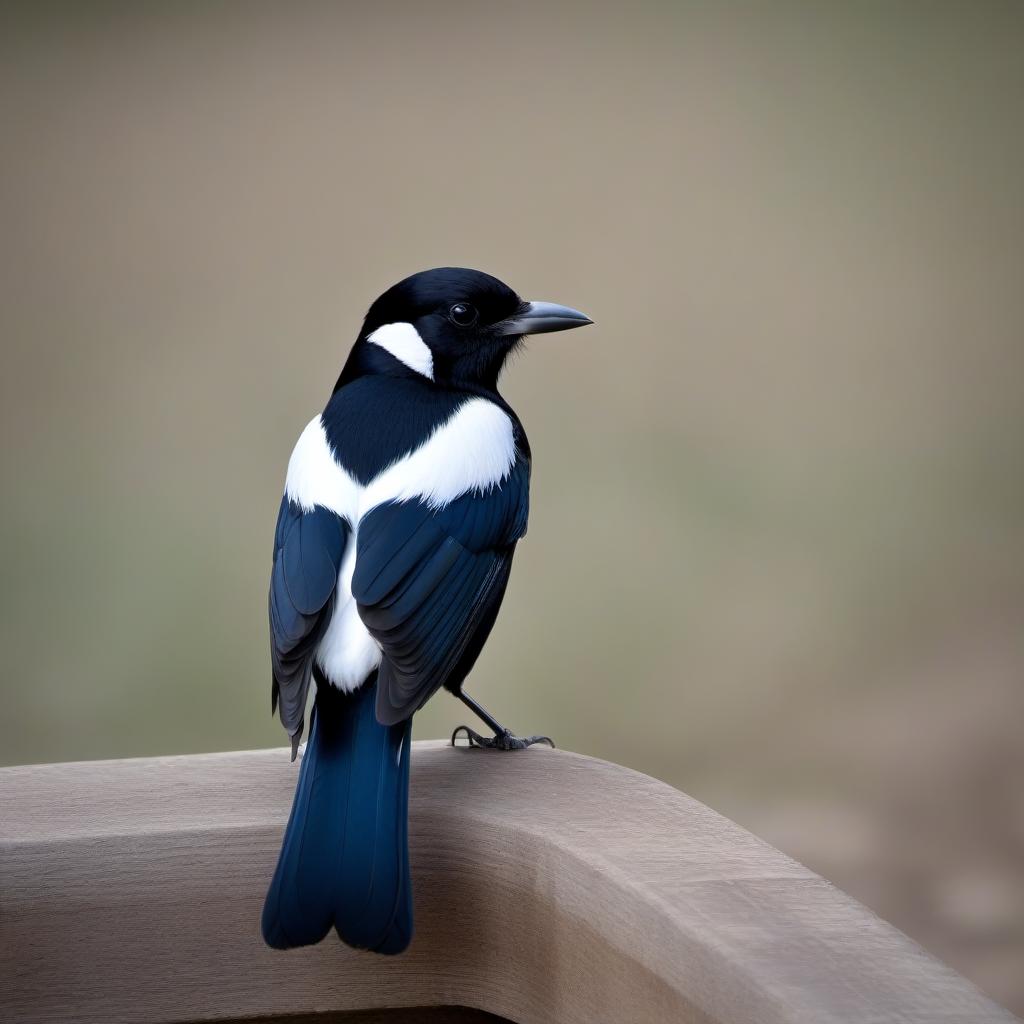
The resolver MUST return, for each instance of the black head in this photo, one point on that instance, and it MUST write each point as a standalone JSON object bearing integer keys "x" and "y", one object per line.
{"x": 453, "y": 325}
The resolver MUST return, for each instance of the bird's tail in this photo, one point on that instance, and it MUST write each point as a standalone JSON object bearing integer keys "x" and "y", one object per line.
{"x": 345, "y": 858}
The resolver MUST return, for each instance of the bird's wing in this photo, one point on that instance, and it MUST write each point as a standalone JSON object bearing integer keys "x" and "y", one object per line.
{"x": 428, "y": 584}
{"x": 308, "y": 549}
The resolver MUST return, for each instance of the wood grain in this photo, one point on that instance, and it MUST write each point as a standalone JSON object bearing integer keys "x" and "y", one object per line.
{"x": 550, "y": 887}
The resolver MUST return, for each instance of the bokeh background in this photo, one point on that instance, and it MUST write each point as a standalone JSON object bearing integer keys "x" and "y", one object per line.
{"x": 776, "y": 553}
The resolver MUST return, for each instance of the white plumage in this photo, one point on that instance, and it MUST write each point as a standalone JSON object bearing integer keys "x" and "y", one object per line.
{"x": 403, "y": 341}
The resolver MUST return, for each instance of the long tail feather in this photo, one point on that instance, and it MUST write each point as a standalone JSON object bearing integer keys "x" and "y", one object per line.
{"x": 345, "y": 857}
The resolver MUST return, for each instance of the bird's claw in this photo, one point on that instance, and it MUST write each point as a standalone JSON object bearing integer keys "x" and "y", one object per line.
{"x": 500, "y": 741}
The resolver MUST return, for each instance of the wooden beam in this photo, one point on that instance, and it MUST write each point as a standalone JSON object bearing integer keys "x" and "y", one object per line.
{"x": 550, "y": 887}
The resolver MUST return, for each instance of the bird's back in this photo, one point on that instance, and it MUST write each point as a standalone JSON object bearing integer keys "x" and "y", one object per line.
{"x": 375, "y": 420}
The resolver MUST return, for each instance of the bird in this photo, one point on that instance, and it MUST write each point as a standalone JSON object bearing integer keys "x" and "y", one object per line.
{"x": 404, "y": 500}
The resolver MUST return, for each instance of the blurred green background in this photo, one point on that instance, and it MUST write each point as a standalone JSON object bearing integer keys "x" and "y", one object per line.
{"x": 776, "y": 553}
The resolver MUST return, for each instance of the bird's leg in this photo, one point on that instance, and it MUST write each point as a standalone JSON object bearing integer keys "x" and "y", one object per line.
{"x": 502, "y": 739}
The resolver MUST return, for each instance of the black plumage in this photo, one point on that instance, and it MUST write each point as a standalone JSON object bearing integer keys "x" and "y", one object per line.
{"x": 428, "y": 585}
{"x": 308, "y": 548}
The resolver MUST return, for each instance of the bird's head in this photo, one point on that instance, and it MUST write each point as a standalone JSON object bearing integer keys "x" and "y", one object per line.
{"x": 452, "y": 325}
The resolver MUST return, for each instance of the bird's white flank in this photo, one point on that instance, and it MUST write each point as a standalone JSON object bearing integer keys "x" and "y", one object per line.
{"x": 347, "y": 653}
{"x": 403, "y": 341}
{"x": 472, "y": 451}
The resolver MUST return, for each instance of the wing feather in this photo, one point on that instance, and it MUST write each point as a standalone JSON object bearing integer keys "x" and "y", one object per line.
{"x": 428, "y": 583}
{"x": 308, "y": 549}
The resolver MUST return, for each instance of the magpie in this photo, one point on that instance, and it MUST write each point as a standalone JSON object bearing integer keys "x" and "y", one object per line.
{"x": 404, "y": 500}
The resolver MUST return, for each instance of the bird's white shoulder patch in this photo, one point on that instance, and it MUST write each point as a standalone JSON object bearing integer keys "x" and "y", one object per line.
{"x": 471, "y": 452}
{"x": 316, "y": 478}
{"x": 403, "y": 341}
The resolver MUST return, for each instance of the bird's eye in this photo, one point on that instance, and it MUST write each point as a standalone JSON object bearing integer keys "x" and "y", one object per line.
{"x": 463, "y": 314}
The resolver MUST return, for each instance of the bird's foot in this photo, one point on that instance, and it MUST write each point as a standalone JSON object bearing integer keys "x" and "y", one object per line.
{"x": 503, "y": 740}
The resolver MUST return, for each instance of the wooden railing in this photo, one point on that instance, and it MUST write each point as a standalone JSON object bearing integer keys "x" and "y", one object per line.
{"x": 550, "y": 887}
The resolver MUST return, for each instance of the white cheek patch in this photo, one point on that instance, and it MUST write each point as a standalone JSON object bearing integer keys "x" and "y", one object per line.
{"x": 403, "y": 341}
{"x": 471, "y": 452}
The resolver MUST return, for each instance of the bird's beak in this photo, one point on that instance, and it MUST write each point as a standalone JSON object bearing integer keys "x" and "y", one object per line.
{"x": 541, "y": 317}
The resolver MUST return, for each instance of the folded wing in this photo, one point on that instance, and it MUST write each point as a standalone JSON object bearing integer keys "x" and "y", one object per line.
{"x": 429, "y": 582}
{"x": 308, "y": 549}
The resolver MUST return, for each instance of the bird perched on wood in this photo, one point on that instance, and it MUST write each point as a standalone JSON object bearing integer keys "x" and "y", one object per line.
{"x": 403, "y": 504}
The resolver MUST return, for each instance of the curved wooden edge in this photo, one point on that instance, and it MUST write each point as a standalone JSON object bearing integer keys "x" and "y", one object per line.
{"x": 550, "y": 887}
